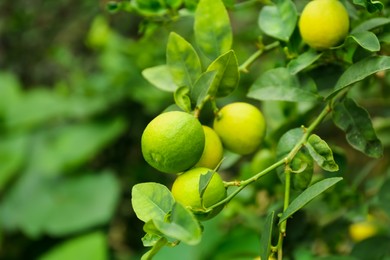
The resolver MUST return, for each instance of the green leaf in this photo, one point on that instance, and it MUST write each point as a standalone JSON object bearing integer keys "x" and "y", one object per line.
{"x": 13, "y": 152}
{"x": 227, "y": 74}
{"x": 183, "y": 61}
{"x": 79, "y": 203}
{"x": 202, "y": 87}
{"x": 213, "y": 33}
{"x": 155, "y": 249}
{"x": 371, "y": 24}
{"x": 303, "y": 61}
{"x": 279, "y": 20}
{"x": 307, "y": 195}
{"x": 384, "y": 197}
{"x": 279, "y": 84}
{"x": 151, "y": 201}
{"x": 89, "y": 246}
{"x": 204, "y": 181}
{"x": 160, "y": 77}
{"x": 360, "y": 70}
{"x": 54, "y": 150}
{"x": 182, "y": 98}
{"x": 182, "y": 225}
{"x": 266, "y": 236}
{"x": 61, "y": 206}
{"x": 321, "y": 153}
{"x": 150, "y": 239}
{"x": 366, "y": 40}
{"x": 356, "y": 123}
{"x": 372, "y": 6}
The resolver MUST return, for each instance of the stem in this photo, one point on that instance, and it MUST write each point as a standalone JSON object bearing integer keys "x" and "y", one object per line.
{"x": 200, "y": 106}
{"x": 244, "y": 183}
{"x": 283, "y": 225}
{"x": 245, "y": 66}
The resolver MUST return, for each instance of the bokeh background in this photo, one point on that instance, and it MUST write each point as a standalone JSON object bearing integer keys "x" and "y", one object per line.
{"x": 73, "y": 105}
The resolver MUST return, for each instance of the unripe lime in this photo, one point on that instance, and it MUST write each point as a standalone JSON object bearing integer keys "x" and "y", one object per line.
{"x": 185, "y": 190}
{"x": 173, "y": 142}
{"x": 324, "y": 23}
{"x": 213, "y": 150}
{"x": 241, "y": 127}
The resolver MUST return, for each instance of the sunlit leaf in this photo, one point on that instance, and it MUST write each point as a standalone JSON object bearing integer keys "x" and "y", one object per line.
{"x": 160, "y": 77}
{"x": 151, "y": 201}
{"x": 183, "y": 61}
{"x": 227, "y": 74}
{"x": 202, "y": 86}
{"x": 213, "y": 33}
{"x": 182, "y": 98}
{"x": 182, "y": 225}
{"x": 279, "y": 20}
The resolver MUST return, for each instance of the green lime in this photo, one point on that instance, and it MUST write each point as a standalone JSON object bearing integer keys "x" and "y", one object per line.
{"x": 213, "y": 150}
{"x": 186, "y": 191}
{"x": 173, "y": 142}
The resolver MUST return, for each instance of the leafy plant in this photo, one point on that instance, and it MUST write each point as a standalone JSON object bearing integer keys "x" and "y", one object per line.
{"x": 203, "y": 73}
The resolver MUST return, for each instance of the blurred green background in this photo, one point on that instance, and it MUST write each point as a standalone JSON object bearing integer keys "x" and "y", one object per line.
{"x": 73, "y": 105}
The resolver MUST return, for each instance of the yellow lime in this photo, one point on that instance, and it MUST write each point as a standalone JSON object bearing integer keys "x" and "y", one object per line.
{"x": 173, "y": 142}
{"x": 213, "y": 150}
{"x": 324, "y": 23}
{"x": 185, "y": 190}
{"x": 362, "y": 230}
{"x": 241, "y": 127}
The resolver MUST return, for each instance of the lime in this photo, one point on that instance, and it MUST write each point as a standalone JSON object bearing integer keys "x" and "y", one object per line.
{"x": 241, "y": 127}
{"x": 364, "y": 229}
{"x": 173, "y": 142}
{"x": 186, "y": 191}
{"x": 324, "y": 23}
{"x": 213, "y": 150}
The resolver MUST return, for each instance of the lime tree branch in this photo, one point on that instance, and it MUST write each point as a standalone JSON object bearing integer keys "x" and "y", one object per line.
{"x": 285, "y": 161}
{"x": 245, "y": 66}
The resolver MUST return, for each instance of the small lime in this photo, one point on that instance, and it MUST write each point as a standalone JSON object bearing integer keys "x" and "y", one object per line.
{"x": 213, "y": 150}
{"x": 241, "y": 127}
{"x": 186, "y": 191}
{"x": 173, "y": 142}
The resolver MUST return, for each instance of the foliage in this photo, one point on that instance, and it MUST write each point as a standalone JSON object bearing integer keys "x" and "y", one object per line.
{"x": 72, "y": 115}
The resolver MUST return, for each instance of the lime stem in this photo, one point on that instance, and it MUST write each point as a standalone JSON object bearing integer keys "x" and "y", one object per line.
{"x": 245, "y": 66}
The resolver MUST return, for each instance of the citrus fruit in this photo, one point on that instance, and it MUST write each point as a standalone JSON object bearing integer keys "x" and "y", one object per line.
{"x": 213, "y": 150}
{"x": 362, "y": 230}
{"x": 173, "y": 142}
{"x": 185, "y": 190}
{"x": 241, "y": 127}
{"x": 324, "y": 23}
